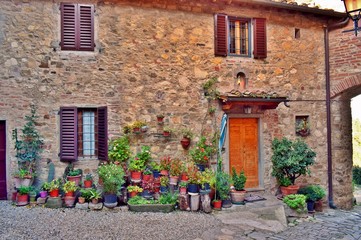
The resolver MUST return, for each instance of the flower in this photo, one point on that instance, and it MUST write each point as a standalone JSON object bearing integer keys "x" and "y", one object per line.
{"x": 202, "y": 151}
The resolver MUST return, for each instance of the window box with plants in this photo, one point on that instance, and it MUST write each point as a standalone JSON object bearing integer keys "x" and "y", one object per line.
{"x": 239, "y": 181}
{"x": 165, "y": 203}
{"x": 113, "y": 178}
{"x": 290, "y": 160}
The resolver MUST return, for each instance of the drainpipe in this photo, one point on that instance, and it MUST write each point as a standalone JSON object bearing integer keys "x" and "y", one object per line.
{"x": 328, "y": 28}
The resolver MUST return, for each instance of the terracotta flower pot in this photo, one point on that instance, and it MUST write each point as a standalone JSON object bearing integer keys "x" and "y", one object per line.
{"x": 238, "y": 196}
{"x": 75, "y": 179}
{"x": 88, "y": 183}
{"x": 217, "y": 204}
{"x": 69, "y": 194}
{"x": 54, "y": 193}
{"x": 135, "y": 175}
{"x": 292, "y": 189}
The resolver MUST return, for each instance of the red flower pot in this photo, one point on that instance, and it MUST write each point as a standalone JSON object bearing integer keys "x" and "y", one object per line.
{"x": 69, "y": 194}
{"x": 135, "y": 175}
{"x": 184, "y": 177}
{"x": 132, "y": 194}
{"x": 146, "y": 178}
{"x": 292, "y": 189}
{"x": 88, "y": 183}
{"x": 185, "y": 142}
{"x": 166, "y": 134}
{"x": 217, "y": 204}
{"x": 54, "y": 193}
{"x": 182, "y": 190}
{"x": 22, "y": 199}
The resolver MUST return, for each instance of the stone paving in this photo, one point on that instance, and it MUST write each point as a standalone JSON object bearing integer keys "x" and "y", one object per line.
{"x": 331, "y": 224}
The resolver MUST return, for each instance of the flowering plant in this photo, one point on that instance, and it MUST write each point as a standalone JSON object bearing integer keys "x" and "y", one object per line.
{"x": 176, "y": 167}
{"x": 165, "y": 163}
{"x": 202, "y": 151}
{"x": 193, "y": 173}
{"x": 138, "y": 163}
{"x": 112, "y": 176}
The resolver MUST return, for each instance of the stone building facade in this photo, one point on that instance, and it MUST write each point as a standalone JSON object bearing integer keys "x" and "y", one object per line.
{"x": 153, "y": 57}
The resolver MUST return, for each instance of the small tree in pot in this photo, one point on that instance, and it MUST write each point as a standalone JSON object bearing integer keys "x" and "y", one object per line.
{"x": 290, "y": 160}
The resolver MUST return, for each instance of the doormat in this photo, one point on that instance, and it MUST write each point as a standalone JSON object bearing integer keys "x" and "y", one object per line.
{"x": 254, "y": 198}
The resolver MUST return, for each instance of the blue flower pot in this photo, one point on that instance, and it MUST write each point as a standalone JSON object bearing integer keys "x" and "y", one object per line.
{"x": 193, "y": 188}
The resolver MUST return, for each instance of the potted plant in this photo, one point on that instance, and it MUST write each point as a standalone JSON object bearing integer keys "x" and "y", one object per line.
{"x": 44, "y": 190}
{"x": 155, "y": 166}
{"x": 23, "y": 195}
{"x": 223, "y": 185}
{"x": 290, "y": 160}
{"x": 160, "y": 118}
{"x": 28, "y": 149}
{"x": 119, "y": 150}
{"x": 175, "y": 170}
{"x": 138, "y": 164}
{"x": 69, "y": 188}
{"x": 238, "y": 193}
{"x": 54, "y": 186}
{"x": 85, "y": 194}
{"x": 212, "y": 110}
{"x": 205, "y": 179}
{"x": 137, "y": 125}
{"x": 183, "y": 187}
{"x": 147, "y": 175}
{"x": 165, "y": 165}
{"x": 88, "y": 181}
{"x": 296, "y": 202}
{"x": 95, "y": 195}
{"x": 187, "y": 136}
{"x": 313, "y": 193}
{"x": 73, "y": 174}
{"x": 167, "y": 131}
{"x": 210, "y": 89}
{"x": 193, "y": 178}
{"x": 113, "y": 178}
{"x": 202, "y": 152}
{"x": 164, "y": 181}
{"x": 134, "y": 190}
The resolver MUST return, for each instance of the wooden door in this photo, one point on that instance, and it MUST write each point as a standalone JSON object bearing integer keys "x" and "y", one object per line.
{"x": 3, "y": 193}
{"x": 243, "y": 148}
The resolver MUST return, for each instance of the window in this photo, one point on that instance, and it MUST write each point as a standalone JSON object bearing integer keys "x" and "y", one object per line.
{"x": 83, "y": 133}
{"x": 77, "y": 27}
{"x": 233, "y": 36}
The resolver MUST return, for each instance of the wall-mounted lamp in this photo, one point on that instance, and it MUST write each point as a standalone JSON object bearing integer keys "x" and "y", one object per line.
{"x": 353, "y": 10}
{"x": 247, "y": 109}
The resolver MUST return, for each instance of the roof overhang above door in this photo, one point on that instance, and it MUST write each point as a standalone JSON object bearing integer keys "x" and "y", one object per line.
{"x": 236, "y": 104}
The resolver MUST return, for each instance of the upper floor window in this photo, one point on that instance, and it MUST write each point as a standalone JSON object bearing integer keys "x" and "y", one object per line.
{"x": 233, "y": 36}
{"x": 77, "y": 27}
{"x": 83, "y": 133}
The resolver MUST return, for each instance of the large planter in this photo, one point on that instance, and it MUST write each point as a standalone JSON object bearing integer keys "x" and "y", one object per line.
{"x": 23, "y": 182}
{"x": 75, "y": 179}
{"x": 238, "y": 196}
{"x": 292, "y": 189}
{"x": 151, "y": 207}
{"x": 110, "y": 200}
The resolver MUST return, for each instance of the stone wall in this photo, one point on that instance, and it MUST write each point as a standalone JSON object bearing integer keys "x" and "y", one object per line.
{"x": 153, "y": 59}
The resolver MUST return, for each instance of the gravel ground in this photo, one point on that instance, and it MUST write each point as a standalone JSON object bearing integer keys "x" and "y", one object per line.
{"x": 45, "y": 223}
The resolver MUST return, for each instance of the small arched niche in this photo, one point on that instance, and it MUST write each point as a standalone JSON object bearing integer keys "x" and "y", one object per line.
{"x": 241, "y": 82}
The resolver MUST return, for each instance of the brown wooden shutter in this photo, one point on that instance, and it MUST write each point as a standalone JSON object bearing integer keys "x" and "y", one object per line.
{"x": 260, "y": 38}
{"x": 86, "y": 27}
{"x": 68, "y": 134}
{"x": 102, "y": 133}
{"x": 77, "y": 27}
{"x": 220, "y": 36}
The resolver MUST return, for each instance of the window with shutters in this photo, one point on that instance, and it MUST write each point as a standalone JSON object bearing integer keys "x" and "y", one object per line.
{"x": 233, "y": 36}
{"x": 83, "y": 133}
{"x": 77, "y": 27}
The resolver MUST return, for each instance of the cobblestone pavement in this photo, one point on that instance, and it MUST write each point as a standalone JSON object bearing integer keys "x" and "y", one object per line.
{"x": 331, "y": 224}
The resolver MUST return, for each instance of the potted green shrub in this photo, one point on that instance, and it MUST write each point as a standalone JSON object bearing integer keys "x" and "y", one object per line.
{"x": 54, "y": 186}
{"x": 239, "y": 181}
{"x": 73, "y": 174}
{"x": 313, "y": 193}
{"x": 113, "y": 178}
{"x": 155, "y": 166}
{"x": 28, "y": 149}
{"x": 119, "y": 150}
{"x": 22, "y": 197}
{"x": 88, "y": 180}
{"x": 69, "y": 187}
{"x": 138, "y": 164}
{"x": 202, "y": 152}
{"x": 85, "y": 194}
{"x": 290, "y": 160}
{"x": 223, "y": 185}
{"x": 296, "y": 202}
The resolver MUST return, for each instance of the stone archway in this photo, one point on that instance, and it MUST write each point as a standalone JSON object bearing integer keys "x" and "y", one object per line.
{"x": 341, "y": 127}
